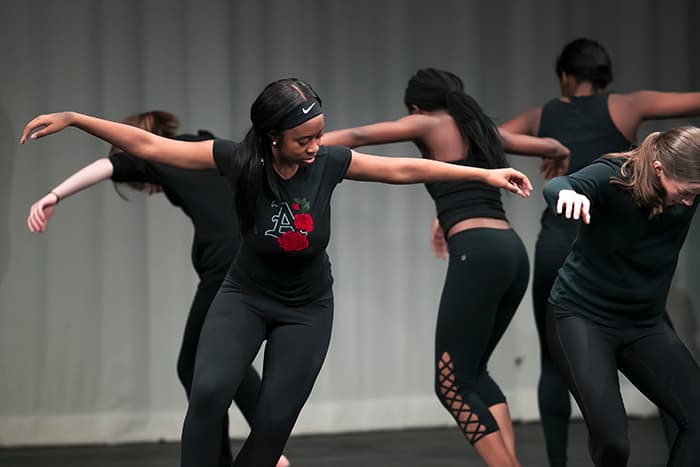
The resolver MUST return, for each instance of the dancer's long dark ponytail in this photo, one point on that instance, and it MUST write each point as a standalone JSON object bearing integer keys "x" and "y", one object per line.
{"x": 432, "y": 89}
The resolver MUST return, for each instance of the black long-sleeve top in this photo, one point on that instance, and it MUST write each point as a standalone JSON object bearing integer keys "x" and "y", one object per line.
{"x": 620, "y": 267}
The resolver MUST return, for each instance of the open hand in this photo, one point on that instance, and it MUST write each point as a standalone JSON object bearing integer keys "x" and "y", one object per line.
{"x": 574, "y": 206}
{"x": 44, "y": 125}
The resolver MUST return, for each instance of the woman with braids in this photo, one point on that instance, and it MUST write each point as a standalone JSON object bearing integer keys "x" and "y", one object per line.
{"x": 606, "y": 309}
{"x": 279, "y": 287}
{"x": 203, "y": 196}
{"x": 478, "y": 300}
{"x": 591, "y": 122}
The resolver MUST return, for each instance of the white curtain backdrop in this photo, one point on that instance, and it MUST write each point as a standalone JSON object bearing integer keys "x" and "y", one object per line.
{"x": 92, "y": 311}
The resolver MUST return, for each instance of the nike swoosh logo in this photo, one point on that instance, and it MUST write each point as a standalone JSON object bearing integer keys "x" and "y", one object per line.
{"x": 306, "y": 110}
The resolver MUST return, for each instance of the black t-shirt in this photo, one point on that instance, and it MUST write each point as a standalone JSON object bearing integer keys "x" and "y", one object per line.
{"x": 285, "y": 255}
{"x": 620, "y": 267}
{"x": 203, "y": 195}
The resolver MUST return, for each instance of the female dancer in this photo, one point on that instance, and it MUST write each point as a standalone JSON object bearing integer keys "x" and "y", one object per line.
{"x": 478, "y": 300}
{"x": 279, "y": 286}
{"x": 606, "y": 309}
{"x": 590, "y": 122}
{"x": 202, "y": 195}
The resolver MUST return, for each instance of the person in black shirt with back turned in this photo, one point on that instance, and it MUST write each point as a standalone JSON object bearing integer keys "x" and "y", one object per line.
{"x": 203, "y": 196}
{"x": 279, "y": 287}
{"x": 607, "y": 306}
{"x": 591, "y": 122}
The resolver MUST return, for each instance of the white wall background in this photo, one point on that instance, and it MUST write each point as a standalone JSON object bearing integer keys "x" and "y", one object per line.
{"x": 92, "y": 311}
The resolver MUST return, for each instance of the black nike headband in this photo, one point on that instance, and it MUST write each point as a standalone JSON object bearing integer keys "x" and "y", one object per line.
{"x": 301, "y": 113}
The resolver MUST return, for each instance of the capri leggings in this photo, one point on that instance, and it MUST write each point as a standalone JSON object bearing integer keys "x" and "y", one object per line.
{"x": 235, "y": 327}
{"x": 486, "y": 279}
{"x": 653, "y": 358}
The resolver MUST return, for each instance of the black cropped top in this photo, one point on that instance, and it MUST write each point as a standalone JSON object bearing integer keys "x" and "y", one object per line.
{"x": 457, "y": 201}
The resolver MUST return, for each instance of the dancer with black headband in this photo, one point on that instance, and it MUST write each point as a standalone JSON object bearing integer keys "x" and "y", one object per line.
{"x": 204, "y": 197}
{"x": 606, "y": 308}
{"x": 590, "y": 122}
{"x": 279, "y": 286}
{"x": 478, "y": 300}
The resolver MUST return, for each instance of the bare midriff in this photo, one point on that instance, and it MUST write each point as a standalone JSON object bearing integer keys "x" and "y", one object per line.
{"x": 477, "y": 223}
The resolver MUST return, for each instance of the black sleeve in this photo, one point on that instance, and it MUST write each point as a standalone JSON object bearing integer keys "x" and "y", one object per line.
{"x": 129, "y": 168}
{"x": 339, "y": 158}
{"x": 223, "y": 157}
{"x": 592, "y": 181}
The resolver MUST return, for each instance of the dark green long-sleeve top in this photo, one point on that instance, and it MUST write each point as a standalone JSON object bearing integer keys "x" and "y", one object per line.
{"x": 620, "y": 267}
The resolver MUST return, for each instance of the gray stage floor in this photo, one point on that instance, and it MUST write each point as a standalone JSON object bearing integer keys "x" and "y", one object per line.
{"x": 439, "y": 447}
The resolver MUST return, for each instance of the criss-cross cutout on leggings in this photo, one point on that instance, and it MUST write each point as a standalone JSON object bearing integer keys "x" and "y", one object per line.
{"x": 467, "y": 420}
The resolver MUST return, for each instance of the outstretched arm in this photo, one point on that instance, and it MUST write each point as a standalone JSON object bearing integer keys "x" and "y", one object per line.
{"x": 416, "y": 126}
{"x": 526, "y": 145}
{"x": 628, "y": 111}
{"x": 42, "y": 210}
{"x": 407, "y": 170}
{"x": 520, "y": 136}
{"x": 575, "y": 195}
{"x": 408, "y": 128}
{"x": 564, "y": 200}
{"x": 185, "y": 154}
{"x": 525, "y": 123}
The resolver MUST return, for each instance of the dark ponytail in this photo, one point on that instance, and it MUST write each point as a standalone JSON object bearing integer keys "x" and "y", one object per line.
{"x": 252, "y": 158}
{"x": 432, "y": 89}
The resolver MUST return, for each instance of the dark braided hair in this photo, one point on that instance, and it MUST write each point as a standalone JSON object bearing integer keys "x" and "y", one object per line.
{"x": 432, "y": 89}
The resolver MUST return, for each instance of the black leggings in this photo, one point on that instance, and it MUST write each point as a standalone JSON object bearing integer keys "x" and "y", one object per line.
{"x": 235, "y": 327}
{"x": 653, "y": 358}
{"x": 486, "y": 278}
{"x": 552, "y": 247}
{"x": 246, "y": 397}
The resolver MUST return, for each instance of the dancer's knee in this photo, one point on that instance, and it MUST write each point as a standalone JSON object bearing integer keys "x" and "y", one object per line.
{"x": 208, "y": 397}
{"x": 611, "y": 452}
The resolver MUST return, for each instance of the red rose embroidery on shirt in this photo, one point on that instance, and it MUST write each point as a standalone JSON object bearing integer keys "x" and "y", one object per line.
{"x": 296, "y": 206}
{"x": 304, "y": 222}
{"x": 293, "y": 241}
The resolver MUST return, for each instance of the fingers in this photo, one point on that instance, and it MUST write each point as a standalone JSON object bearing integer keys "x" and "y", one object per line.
{"x": 41, "y": 126}
{"x": 586, "y": 210}
{"x": 512, "y": 187}
{"x": 522, "y": 183}
{"x": 574, "y": 206}
{"x": 38, "y": 211}
{"x": 560, "y": 203}
{"x": 568, "y": 208}
{"x": 29, "y": 128}
{"x": 439, "y": 248}
{"x": 37, "y": 219}
{"x": 34, "y": 224}
{"x": 437, "y": 240}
